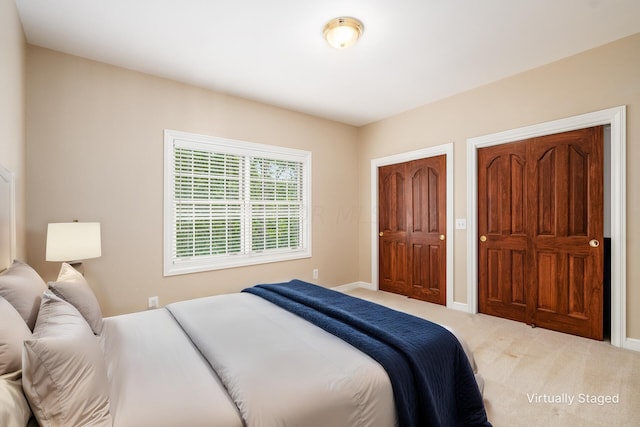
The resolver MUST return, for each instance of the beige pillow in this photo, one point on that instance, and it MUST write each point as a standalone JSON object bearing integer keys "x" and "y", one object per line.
{"x": 72, "y": 287}
{"x": 64, "y": 374}
{"x": 13, "y": 332}
{"x": 14, "y": 408}
{"x": 23, "y": 287}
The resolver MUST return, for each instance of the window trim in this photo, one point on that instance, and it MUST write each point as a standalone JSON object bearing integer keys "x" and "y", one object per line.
{"x": 243, "y": 148}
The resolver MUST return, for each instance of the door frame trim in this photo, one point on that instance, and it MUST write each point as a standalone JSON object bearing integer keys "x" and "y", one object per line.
{"x": 616, "y": 118}
{"x": 447, "y": 150}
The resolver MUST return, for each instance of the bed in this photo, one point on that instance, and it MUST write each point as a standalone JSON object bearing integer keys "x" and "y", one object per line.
{"x": 286, "y": 354}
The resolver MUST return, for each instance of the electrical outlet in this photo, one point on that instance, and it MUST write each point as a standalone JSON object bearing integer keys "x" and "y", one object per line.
{"x": 315, "y": 273}
{"x": 154, "y": 302}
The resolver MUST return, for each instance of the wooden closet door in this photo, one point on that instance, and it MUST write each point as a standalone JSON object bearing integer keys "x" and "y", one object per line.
{"x": 426, "y": 237}
{"x": 540, "y": 224}
{"x": 412, "y": 229}
{"x": 392, "y": 240}
{"x": 502, "y": 228}
{"x": 566, "y": 229}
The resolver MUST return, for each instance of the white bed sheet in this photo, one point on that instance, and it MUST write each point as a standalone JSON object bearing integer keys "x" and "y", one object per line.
{"x": 158, "y": 378}
{"x": 281, "y": 370}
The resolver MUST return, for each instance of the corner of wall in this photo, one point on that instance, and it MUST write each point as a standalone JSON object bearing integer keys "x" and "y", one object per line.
{"x": 13, "y": 46}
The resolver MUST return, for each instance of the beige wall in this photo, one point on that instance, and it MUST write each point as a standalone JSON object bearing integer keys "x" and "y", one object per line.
{"x": 95, "y": 151}
{"x": 12, "y": 110}
{"x": 605, "y": 77}
{"x": 93, "y": 128}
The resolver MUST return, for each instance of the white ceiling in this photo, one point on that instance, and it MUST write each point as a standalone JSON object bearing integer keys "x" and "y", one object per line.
{"x": 412, "y": 52}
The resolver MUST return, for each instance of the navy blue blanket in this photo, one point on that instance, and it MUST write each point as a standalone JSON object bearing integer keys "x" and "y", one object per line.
{"x": 433, "y": 383}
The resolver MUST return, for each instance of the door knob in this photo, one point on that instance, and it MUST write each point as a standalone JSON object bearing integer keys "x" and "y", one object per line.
{"x": 442, "y": 237}
{"x": 483, "y": 238}
{"x": 594, "y": 243}
{"x": 381, "y": 234}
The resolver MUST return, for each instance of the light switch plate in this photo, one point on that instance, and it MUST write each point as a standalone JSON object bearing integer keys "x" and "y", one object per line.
{"x": 461, "y": 224}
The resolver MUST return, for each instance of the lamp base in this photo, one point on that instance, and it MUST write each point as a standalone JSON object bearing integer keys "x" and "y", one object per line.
{"x": 78, "y": 265}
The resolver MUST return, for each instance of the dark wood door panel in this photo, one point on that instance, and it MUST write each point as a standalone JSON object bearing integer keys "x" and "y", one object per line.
{"x": 392, "y": 213}
{"x": 426, "y": 205}
{"x": 503, "y": 292}
{"x": 502, "y": 252}
{"x": 567, "y": 214}
{"x": 393, "y": 266}
{"x": 427, "y": 274}
{"x": 412, "y": 224}
{"x": 427, "y": 229}
{"x": 540, "y": 210}
{"x": 566, "y": 296}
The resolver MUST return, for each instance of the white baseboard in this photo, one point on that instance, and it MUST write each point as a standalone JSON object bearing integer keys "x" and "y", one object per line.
{"x": 631, "y": 344}
{"x": 459, "y": 306}
{"x": 354, "y": 285}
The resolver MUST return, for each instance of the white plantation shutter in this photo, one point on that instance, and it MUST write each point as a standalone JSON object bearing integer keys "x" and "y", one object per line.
{"x": 275, "y": 203}
{"x": 206, "y": 203}
{"x": 232, "y": 203}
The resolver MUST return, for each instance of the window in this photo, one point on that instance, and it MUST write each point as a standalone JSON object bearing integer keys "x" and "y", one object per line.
{"x": 233, "y": 203}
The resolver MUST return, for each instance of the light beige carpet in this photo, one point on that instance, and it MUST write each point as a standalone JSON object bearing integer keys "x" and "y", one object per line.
{"x": 537, "y": 377}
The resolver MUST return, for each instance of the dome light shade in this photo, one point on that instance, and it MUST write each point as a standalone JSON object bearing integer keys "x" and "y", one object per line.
{"x": 343, "y": 32}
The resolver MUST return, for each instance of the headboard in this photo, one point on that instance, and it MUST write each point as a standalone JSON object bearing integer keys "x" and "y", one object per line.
{"x": 7, "y": 218}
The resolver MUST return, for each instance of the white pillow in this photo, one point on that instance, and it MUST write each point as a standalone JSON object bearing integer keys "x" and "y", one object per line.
{"x": 64, "y": 373}
{"x": 22, "y": 286}
{"x": 72, "y": 287}
{"x": 14, "y": 408}
{"x": 13, "y": 332}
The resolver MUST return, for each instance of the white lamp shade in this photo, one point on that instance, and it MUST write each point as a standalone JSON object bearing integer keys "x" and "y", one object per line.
{"x": 73, "y": 241}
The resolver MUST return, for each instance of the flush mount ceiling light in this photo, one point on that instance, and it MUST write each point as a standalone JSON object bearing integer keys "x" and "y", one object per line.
{"x": 343, "y": 32}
